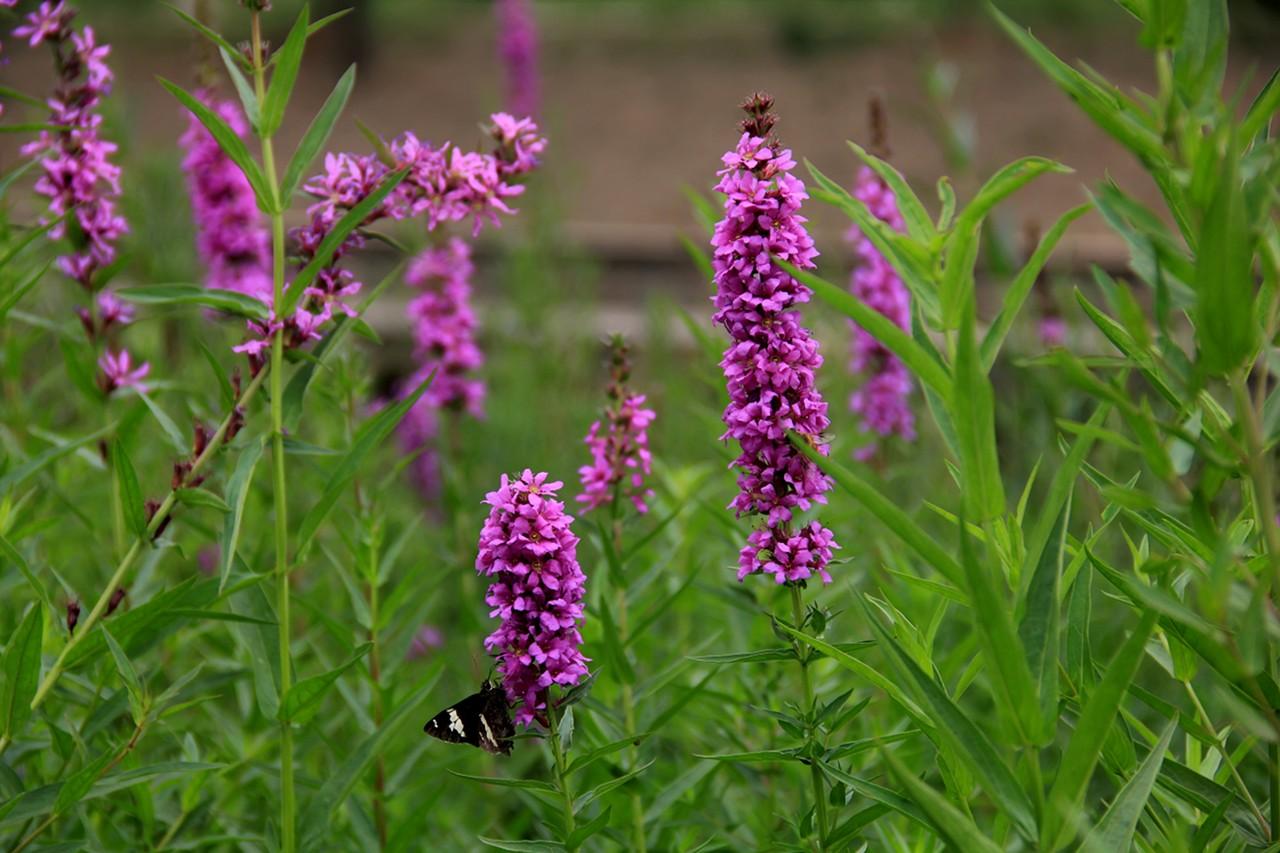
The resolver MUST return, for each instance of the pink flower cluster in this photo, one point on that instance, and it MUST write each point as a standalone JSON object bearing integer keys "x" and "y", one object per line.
{"x": 881, "y": 402}
{"x": 771, "y": 363}
{"x": 518, "y": 48}
{"x": 444, "y": 184}
{"x": 78, "y": 176}
{"x": 619, "y": 444}
{"x": 444, "y": 327}
{"x": 230, "y": 235}
{"x": 529, "y": 551}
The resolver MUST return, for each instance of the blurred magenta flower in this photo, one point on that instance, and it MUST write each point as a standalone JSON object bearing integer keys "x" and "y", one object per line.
{"x": 772, "y": 360}
{"x": 444, "y": 184}
{"x": 529, "y": 551}
{"x": 444, "y": 327}
{"x": 619, "y": 443}
{"x": 882, "y": 400}
{"x": 518, "y": 49}
{"x": 231, "y": 237}
{"x": 428, "y": 637}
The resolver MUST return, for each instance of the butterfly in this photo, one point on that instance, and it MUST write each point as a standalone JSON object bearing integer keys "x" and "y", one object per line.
{"x": 482, "y": 719}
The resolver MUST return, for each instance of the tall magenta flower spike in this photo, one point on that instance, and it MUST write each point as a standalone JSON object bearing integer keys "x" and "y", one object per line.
{"x": 882, "y": 402}
{"x": 518, "y": 49}
{"x": 231, "y": 237}
{"x": 78, "y": 176}
{"x": 619, "y": 443}
{"x": 529, "y": 551}
{"x": 771, "y": 362}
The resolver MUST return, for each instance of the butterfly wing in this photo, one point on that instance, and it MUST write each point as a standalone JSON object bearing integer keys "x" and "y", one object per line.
{"x": 460, "y": 722}
{"x": 482, "y": 720}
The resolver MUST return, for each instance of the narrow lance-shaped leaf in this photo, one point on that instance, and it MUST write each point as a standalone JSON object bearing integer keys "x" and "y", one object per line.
{"x": 952, "y": 825}
{"x": 1115, "y": 830}
{"x": 371, "y": 434}
{"x": 287, "y": 61}
{"x": 878, "y": 325}
{"x": 1081, "y": 754}
{"x": 1039, "y": 629}
{"x": 130, "y": 493}
{"x": 230, "y": 142}
{"x": 914, "y": 215}
{"x": 303, "y": 699}
{"x": 22, "y": 670}
{"x": 967, "y": 740}
{"x": 973, "y": 412}
{"x": 237, "y": 494}
{"x": 313, "y": 141}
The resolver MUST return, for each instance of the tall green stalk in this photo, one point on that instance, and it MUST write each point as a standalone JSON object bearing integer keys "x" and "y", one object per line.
{"x": 819, "y": 799}
{"x": 288, "y": 806}
{"x": 562, "y": 777}
{"x": 638, "y": 842}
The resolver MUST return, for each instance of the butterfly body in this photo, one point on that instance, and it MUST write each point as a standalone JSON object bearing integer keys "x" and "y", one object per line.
{"x": 481, "y": 720}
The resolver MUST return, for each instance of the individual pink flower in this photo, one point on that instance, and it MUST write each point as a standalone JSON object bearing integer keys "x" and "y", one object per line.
{"x": 118, "y": 372}
{"x": 529, "y": 552}
{"x": 425, "y": 640}
{"x": 1053, "y": 331}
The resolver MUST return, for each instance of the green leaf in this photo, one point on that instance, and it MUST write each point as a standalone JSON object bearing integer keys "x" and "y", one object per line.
{"x": 879, "y": 794}
{"x": 757, "y": 656}
{"x": 324, "y": 805}
{"x": 870, "y": 673}
{"x": 973, "y": 411}
{"x": 129, "y": 675}
{"x": 914, "y": 215}
{"x": 1226, "y": 326}
{"x": 176, "y": 439}
{"x": 141, "y": 627}
{"x": 22, "y": 671}
{"x": 1017, "y": 293}
{"x": 201, "y": 498}
{"x": 600, "y": 790}
{"x": 1002, "y": 650}
{"x": 1039, "y": 629}
{"x": 588, "y": 829}
{"x": 522, "y": 846}
{"x": 313, "y": 141}
{"x": 957, "y": 273}
{"x": 15, "y": 294}
{"x": 759, "y": 756}
{"x": 1262, "y": 109}
{"x": 1081, "y": 754}
{"x": 302, "y": 701}
{"x": 956, "y": 828}
{"x": 532, "y": 785}
{"x": 888, "y": 512}
{"x": 878, "y": 326}
{"x": 287, "y": 60}
{"x": 351, "y": 220}
{"x": 248, "y": 98}
{"x": 237, "y": 495}
{"x": 1004, "y": 183}
{"x": 966, "y": 739}
{"x": 192, "y": 294}
{"x": 78, "y": 785}
{"x": 15, "y": 556}
{"x": 589, "y": 758}
{"x": 135, "y": 513}
{"x": 371, "y": 434}
{"x": 231, "y": 143}
{"x": 1115, "y": 830}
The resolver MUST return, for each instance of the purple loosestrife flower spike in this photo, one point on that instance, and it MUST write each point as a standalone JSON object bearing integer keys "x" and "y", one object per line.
{"x": 529, "y": 551}
{"x": 444, "y": 184}
{"x": 882, "y": 401}
{"x": 78, "y": 176}
{"x": 772, "y": 360}
{"x": 619, "y": 444}
{"x": 230, "y": 235}
{"x": 518, "y": 48}
{"x": 444, "y": 327}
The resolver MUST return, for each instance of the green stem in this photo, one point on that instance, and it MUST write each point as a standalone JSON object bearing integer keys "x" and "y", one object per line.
{"x": 117, "y": 577}
{"x": 375, "y": 675}
{"x": 1264, "y": 506}
{"x": 638, "y": 842}
{"x": 288, "y": 829}
{"x": 1221, "y": 745}
{"x": 819, "y": 800}
{"x": 562, "y": 778}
